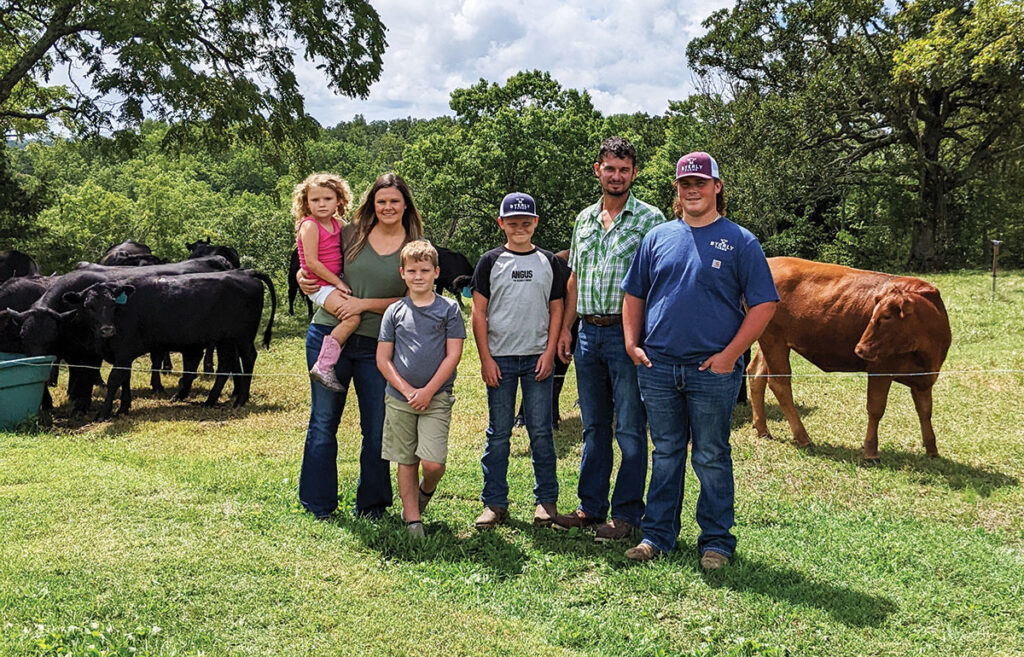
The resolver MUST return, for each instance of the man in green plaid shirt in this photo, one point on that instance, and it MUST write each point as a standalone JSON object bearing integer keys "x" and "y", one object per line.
{"x": 604, "y": 240}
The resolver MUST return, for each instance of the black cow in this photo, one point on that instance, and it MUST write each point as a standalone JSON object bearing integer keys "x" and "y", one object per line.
{"x": 131, "y": 254}
{"x": 203, "y": 248}
{"x": 129, "y": 319}
{"x": 293, "y": 285}
{"x": 161, "y": 362}
{"x": 19, "y": 294}
{"x": 15, "y": 263}
{"x": 50, "y": 326}
{"x": 456, "y": 272}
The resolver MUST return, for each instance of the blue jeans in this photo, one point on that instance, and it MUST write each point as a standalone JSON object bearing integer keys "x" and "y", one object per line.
{"x": 318, "y": 481}
{"x": 685, "y": 405}
{"x": 501, "y": 407}
{"x": 606, "y": 381}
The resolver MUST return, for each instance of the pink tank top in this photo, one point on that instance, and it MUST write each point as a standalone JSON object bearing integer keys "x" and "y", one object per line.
{"x": 329, "y": 252}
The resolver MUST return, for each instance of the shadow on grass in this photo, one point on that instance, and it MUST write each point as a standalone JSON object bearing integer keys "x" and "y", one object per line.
{"x": 847, "y": 606}
{"x": 742, "y": 415}
{"x": 957, "y": 476}
{"x": 172, "y": 411}
{"x": 568, "y": 435}
{"x": 850, "y": 607}
{"x": 389, "y": 538}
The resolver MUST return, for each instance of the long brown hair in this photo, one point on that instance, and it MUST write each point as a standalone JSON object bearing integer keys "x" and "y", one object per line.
{"x": 365, "y": 217}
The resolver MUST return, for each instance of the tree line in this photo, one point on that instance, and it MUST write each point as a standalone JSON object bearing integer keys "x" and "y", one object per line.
{"x": 880, "y": 135}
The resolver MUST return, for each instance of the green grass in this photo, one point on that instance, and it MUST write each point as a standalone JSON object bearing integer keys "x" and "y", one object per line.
{"x": 176, "y": 531}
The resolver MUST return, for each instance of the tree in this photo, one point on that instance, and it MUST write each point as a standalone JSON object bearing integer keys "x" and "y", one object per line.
{"x": 199, "y": 64}
{"x": 529, "y": 135}
{"x": 933, "y": 89}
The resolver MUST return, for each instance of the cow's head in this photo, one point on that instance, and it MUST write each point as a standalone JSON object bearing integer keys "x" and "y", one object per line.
{"x": 191, "y": 246}
{"x": 99, "y": 303}
{"x": 9, "y": 340}
{"x": 39, "y": 328}
{"x": 892, "y": 328}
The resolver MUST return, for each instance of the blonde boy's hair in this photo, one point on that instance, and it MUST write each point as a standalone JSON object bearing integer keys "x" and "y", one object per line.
{"x": 419, "y": 251}
{"x": 300, "y": 195}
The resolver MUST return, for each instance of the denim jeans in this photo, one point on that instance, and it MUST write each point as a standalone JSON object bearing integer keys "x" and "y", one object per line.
{"x": 318, "y": 480}
{"x": 606, "y": 381}
{"x": 501, "y": 407}
{"x": 685, "y": 405}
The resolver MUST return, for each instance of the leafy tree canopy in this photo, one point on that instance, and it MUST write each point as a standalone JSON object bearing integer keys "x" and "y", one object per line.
{"x": 936, "y": 87}
{"x": 200, "y": 65}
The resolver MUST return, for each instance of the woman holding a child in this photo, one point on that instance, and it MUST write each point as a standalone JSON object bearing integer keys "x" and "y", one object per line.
{"x": 386, "y": 220}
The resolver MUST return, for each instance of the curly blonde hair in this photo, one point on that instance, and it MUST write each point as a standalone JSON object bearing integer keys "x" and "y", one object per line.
{"x": 300, "y": 194}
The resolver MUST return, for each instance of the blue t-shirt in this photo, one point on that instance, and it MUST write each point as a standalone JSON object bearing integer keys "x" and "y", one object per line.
{"x": 694, "y": 281}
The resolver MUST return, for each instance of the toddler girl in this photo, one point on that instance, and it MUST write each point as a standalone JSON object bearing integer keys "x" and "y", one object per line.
{"x": 317, "y": 203}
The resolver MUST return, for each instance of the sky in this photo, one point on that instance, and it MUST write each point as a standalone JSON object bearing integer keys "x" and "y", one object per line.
{"x": 630, "y": 55}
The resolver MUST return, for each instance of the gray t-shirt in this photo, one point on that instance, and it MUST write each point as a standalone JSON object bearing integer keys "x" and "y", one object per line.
{"x": 420, "y": 335}
{"x": 519, "y": 288}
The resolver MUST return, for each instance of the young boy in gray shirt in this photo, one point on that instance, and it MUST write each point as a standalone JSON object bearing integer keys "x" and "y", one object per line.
{"x": 517, "y": 314}
{"x": 419, "y": 348}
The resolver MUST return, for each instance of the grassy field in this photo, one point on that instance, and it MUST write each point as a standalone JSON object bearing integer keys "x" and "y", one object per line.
{"x": 176, "y": 531}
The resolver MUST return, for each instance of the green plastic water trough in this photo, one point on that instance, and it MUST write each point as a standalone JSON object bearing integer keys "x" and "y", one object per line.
{"x": 22, "y": 381}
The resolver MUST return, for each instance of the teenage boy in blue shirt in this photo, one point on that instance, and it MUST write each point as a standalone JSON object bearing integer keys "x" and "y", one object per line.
{"x": 685, "y": 330}
{"x": 517, "y": 314}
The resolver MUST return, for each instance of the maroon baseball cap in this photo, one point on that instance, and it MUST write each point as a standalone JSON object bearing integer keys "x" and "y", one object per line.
{"x": 698, "y": 164}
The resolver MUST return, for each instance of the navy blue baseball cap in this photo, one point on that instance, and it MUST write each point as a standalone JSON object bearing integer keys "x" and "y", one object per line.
{"x": 518, "y": 204}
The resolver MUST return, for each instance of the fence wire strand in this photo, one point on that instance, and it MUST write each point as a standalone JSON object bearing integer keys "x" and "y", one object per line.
{"x": 792, "y": 375}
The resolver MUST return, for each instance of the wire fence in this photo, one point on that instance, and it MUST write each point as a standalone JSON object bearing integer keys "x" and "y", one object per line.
{"x": 792, "y": 375}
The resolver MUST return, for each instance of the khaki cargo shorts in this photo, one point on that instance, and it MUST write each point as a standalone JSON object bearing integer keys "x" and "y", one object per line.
{"x": 411, "y": 435}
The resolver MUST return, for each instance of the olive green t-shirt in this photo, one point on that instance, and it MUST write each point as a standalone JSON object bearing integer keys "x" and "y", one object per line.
{"x": 371, "y": 276}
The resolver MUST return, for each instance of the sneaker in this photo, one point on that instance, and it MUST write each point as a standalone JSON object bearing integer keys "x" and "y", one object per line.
{"x": 415, "y": 528}
{"x": 544, "y": 515}
{"x": 712, "y": 560}
{"x": 577, "y": 519}
{"x": 644, "y": 551}
{"x": 491, "y": 517}
{"x": 614, "y": 530}
{"x": 326, "y": 378}
{"x": 425, "y": 498}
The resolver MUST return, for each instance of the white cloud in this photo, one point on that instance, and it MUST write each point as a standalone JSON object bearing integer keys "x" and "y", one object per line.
{"x": 631, "y": 56}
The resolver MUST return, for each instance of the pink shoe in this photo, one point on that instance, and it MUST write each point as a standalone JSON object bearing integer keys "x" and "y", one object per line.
{"x": 323, "y": 368}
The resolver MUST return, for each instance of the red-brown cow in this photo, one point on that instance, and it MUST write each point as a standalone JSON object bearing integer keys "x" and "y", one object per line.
{"x": 851, "y": 320}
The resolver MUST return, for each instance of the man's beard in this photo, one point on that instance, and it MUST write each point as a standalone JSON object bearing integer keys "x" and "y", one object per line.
{"x": 625, "y": 191}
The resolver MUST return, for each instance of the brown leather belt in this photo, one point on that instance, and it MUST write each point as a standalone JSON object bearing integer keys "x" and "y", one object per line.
{"x": 603, "y": 320}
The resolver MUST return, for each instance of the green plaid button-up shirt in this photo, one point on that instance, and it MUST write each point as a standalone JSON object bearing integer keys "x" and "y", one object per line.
{"x": 601, "y": 259}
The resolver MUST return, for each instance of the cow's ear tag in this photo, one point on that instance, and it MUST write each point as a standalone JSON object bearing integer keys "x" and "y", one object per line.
{"x": 121, "y": 299}
{"x": 467, "y": 292}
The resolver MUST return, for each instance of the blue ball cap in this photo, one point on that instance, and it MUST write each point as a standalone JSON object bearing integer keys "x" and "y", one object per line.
{"x": 518, "y": 204}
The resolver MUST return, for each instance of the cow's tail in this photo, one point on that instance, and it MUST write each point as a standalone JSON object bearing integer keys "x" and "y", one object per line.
{"x": 273, "y": 306}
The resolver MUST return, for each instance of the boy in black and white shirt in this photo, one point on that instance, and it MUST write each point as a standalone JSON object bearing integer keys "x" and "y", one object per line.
{"x": 517, "y": 313}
